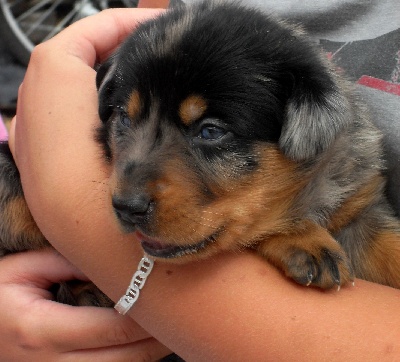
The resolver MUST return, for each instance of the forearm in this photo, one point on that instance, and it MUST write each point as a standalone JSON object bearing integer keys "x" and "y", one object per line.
{"x": 238, "y": 308}
{"x": 233, "y": 307}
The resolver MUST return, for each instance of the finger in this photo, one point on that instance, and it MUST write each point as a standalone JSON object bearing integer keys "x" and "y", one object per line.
{"x": 144, "y": 350}
{"x": 68, "y": 328}
{"x": 95, "y": 37}
{"x": 11, "y": 135}
{"x": 39, "y": 269}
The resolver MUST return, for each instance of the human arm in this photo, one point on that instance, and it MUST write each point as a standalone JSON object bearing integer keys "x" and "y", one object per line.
{"x": 231, "y": 307}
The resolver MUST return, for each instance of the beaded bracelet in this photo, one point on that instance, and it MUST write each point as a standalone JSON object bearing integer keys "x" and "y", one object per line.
{"x": 138, "y": 280}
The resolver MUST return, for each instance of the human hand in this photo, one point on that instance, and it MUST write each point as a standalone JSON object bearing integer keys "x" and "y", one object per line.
{"x": 33, "y": 327}
{"x": 61, "y": 166}
{"x": 62, "y": 71}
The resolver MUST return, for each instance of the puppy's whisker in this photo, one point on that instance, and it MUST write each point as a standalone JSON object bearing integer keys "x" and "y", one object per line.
{"x": 196, "y": 221}
{"x": 206, "y": 219}
{"x": 212, "y": 212}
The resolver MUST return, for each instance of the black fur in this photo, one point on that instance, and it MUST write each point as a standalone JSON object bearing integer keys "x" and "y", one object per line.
{"x": 262, "y": 87}
{"x": 231, "y": 68}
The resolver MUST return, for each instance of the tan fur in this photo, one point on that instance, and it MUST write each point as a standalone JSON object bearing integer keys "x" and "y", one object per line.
{"x": 243, "y": 209}
{"x": 262, "y": 201}
{"x": 300, "y": 251}
{"x": 133, "y": 105}
{"x": 352, "y": 206}
{"x": 378, "y": 256}
{"x": 22, "y": 232}
{"x": 192, "y": 109}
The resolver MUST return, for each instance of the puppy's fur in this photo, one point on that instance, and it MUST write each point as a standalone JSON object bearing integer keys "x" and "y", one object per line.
{"x": 228, "y": 129}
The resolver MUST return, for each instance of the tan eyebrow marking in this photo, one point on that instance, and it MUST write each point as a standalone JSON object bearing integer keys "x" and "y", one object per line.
{"x": 192, "y": 108}
{"x": 133, "y": 106}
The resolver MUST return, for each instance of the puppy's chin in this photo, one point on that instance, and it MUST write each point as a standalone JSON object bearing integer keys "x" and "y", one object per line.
{"x": 178, "y": 253}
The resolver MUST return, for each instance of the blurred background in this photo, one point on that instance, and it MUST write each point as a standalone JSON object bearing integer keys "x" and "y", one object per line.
{"x": 26, "y": 23}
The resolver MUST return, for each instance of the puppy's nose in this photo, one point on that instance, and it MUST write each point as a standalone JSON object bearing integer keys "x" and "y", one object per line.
{"x": 132, "y": 210}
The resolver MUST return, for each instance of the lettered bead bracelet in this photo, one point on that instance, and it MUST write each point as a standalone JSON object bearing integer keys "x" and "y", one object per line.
{"x": 138, "y": 280}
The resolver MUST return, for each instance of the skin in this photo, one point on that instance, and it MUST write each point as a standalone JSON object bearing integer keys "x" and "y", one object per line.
{"x": 35, "y": 328}
{"x": 229, "y": 307}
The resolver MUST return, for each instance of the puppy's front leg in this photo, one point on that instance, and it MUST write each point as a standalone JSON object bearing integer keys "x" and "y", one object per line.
{"x": 310, "y": 256}
{"x": 18, "y": 230}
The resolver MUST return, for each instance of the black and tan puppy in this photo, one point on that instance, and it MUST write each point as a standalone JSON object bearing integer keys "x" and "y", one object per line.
{"x": 227, "y": 129}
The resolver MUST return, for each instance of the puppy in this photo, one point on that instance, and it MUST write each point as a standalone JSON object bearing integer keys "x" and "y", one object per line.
{"x": 227, "y": 129}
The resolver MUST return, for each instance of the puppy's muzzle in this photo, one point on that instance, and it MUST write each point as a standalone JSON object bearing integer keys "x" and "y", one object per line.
{"x": 132, "y": 211}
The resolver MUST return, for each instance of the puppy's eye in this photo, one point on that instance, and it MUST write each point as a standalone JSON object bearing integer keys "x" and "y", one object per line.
{"x": 211, "y": 132}
{"x": 124, "y": 119}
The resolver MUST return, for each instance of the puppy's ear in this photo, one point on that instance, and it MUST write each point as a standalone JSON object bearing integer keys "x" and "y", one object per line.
{"x": 105, "y": 88}
{"x": 316, "y": 112}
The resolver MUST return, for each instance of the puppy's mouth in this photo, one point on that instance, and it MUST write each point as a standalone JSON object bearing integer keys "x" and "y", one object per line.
{"x": 169, "y": 251}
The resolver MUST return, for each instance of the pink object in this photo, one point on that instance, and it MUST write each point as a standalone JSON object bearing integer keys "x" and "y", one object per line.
{"x": 380, "y": 84}
{"x": 3, "y": 131}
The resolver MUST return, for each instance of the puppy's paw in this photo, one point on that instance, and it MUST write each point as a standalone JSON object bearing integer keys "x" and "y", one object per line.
{"x": 310, "y": 256}
{"x": 323, "y": 268}
{"x": 79, "y": 293}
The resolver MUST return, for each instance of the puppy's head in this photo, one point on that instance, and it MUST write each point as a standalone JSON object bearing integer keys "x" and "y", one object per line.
{"x": 209, "y": 113}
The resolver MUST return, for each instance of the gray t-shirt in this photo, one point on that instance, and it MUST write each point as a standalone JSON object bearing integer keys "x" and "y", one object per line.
{"x": 363, "y": 38}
